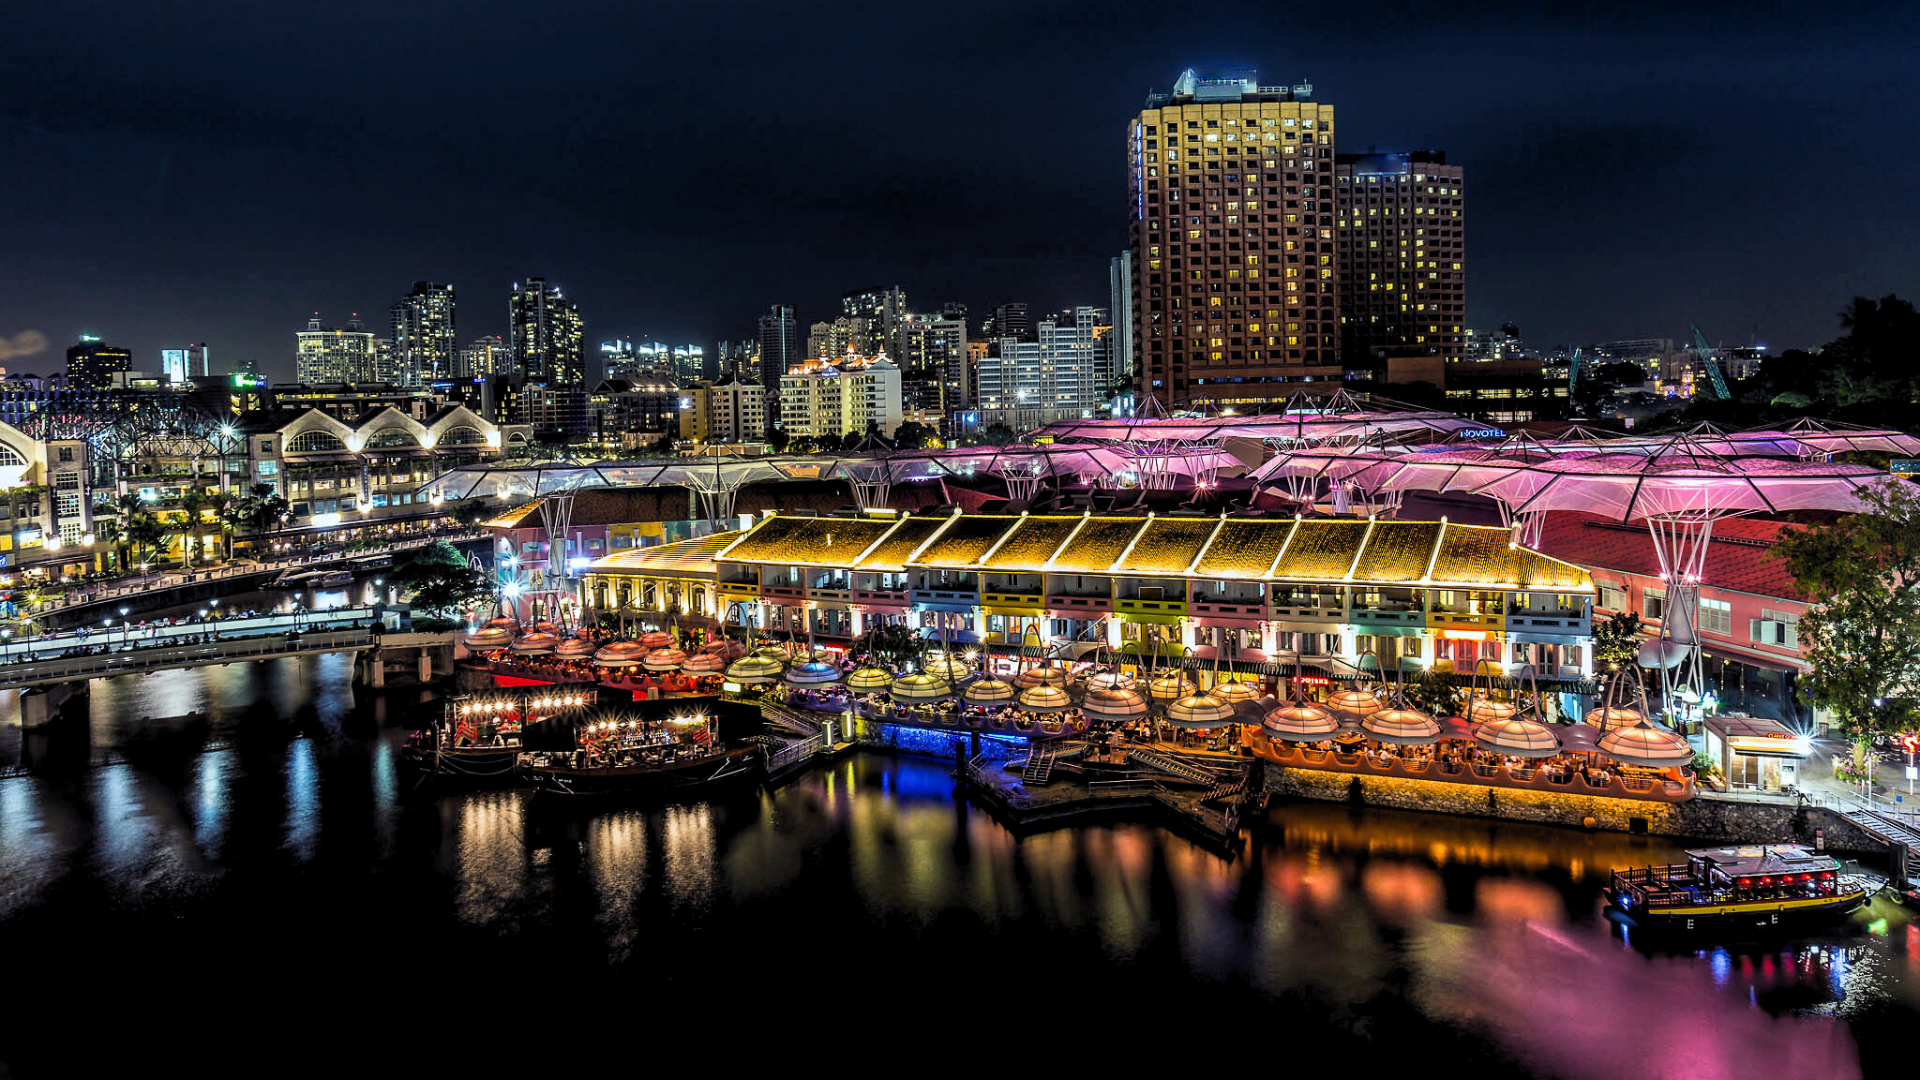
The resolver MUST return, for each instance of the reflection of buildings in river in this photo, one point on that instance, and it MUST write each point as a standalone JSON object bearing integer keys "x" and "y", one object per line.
{"x": 689, "y": 854}
{"x": 212, "y": 779}
{"x": 31, "y": 831}
{"x": 615, "y": 850}
{"x": 386, "y": 797}
{"x": 1403, "y": 892}
{"x": 1517, "y": 900}
{"x": 489, "y": 857}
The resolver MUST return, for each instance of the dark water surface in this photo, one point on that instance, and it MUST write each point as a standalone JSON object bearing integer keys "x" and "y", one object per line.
{"x": 261, "y": 892}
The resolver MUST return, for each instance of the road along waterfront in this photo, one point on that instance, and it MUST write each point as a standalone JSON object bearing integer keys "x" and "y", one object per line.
{"x": 232, "y": 858}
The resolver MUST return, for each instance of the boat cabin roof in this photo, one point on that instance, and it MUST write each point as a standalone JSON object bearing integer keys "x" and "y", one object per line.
{"x": 1772, "y": 859}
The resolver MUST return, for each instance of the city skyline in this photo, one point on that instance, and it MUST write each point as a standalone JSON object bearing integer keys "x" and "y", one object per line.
{"x": 1615, "y": 194}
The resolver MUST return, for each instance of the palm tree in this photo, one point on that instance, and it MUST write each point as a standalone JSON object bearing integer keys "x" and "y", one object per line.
{"x": 107, "y": 531}
{"x": 144, "y": 531}
{"x": 191, "y": 503}
{"x": 224, "y": 507}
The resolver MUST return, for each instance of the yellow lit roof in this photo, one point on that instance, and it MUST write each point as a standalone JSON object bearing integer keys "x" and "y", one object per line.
{"x": 810, "y": 541}
{"x": 681, "y": 555}
{"x": 1331, "y": 551}
{"x": 511, "y": 519}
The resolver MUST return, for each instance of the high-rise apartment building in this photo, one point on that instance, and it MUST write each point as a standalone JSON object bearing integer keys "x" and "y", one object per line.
{"x": 325, "y": 354}
{"x": 546, "y": 335}
{"x": 885, "y": 311}
{"x": 1060, "y": 375}
{"x": 934, "y": 373}
{"x": 846, "y": 334}
{"x": 779, "y": 344}
{"x": 484, "y": 358}
{"x": 851, "y": 396}
{"x": 92, "y": 363}
{"x": 181, "y": 365}
{"x": 728, "y": 411}
{"x": 425, "y": 347}
{"x": 1008, "y": 321}
{"x": 1234, "y": 292}
{"x": 1401, "y": 223}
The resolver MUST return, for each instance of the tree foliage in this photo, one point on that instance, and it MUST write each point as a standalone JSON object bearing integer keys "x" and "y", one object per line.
{"x": 1616, "y": 641}
{"x": 1434, "y": 692}
{"x": 1862, "y": 637}
{"x": 439, "y": 578}
{"x": 889, "y": 644}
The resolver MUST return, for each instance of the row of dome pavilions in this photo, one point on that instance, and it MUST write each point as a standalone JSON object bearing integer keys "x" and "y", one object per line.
{"x": 1102, "y": 694}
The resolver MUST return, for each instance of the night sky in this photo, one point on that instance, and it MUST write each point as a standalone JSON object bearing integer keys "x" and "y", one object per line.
{"x": 215, "y": 171}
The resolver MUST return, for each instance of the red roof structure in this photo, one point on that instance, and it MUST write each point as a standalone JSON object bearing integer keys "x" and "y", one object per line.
{"x": 1738, "y": 557}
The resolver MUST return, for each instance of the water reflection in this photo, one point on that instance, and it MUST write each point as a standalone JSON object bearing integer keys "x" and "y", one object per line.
{"x": 1434, "y": 939}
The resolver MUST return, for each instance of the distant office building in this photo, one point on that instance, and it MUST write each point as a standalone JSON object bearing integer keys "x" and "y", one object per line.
{"x": 779, "y": 344}
{"x": 648, "y": 403}
{"x": 1008, "y": 321}
{"x": 1060, "y": 375}
{"x": 386, "y": 364}
{"x": 727, "y": 411}
{"x": 735, "y": 359}
{"x": 832, "y": 400}
{"x": 934, "y": 373}
{"x": 485, "y": 357}
{"x": 1401, "y": 223}
{"x": 326, "y": 354}
{"x": 547, "y": 338}
{"x": 426, "y": 348}
{"x": 93, "y": 363}
{"x": 549, "y": 408}
{"x": 179, "y": 366}
{"x": 844, "y": 335}
{"x": 1120, "y": 295}
{"x": 689, "y": 361}
{"x": 1249, "y": 168}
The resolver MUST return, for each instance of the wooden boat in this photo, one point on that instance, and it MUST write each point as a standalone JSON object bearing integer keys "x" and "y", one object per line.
{"x": 571, "y": 775}
{"x": 460, "y": 762}
{"x": 1737, "y": 888}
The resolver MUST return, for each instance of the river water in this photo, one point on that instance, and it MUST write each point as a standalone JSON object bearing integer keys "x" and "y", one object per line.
{"x": 260, "y": 888}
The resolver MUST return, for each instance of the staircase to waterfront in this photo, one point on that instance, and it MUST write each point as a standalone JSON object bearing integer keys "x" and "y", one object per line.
{"x": 1039, "y": 769}
{"x": 789, "y": 720}
{"x": 1170, "y": 765}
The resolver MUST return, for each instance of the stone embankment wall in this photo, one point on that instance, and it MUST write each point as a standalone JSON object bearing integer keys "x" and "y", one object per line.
{"x": 1704, "y": 817}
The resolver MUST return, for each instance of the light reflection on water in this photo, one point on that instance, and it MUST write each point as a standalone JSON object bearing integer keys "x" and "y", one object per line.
{"x": 1383, "y": 926}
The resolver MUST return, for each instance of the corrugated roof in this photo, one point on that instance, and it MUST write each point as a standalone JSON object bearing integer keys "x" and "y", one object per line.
{"x": 1033, "y": 542}
{"x": 1095, "y": 547}
{"x": 1167, "y": 546}
{"x": 1397, "y": 551}
{"x": 1321, "y": 551}
{"x": 1245, "y": 548}
{"x": 964, "y": 541}
{"x": 891, "y": 555}
{"x": 695, "y": 555}
{"x": 810, "y": 541}
{"x": 1738, "y": 558}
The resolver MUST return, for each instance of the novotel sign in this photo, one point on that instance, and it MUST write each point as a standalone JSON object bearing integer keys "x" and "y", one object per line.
{"x": 1484, "y": 433}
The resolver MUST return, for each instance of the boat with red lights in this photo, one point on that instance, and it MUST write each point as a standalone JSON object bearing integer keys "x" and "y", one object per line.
{"x": 1738, "y": 888}
{"x": 635, "y": 755}
{"x": 478, "y": 738}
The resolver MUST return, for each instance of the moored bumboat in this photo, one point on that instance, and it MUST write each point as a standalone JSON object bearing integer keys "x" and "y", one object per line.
{"x": 1737, "y": 888}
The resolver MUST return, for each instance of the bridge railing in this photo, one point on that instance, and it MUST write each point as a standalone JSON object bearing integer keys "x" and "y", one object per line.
{"x": 143, "y": 660}
{"x": 122, "y": 639}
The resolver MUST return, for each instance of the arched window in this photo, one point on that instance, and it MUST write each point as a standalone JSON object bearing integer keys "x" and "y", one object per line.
{"x": 699, "y": 601}
{"x": 650, "y": 595}
{"x": 392, "y": 436}
{"x": 517, "y": 437}
{"x": 464, "y": 435}
{"x": 10, "y": 456}
{"x": 314, "y": 440}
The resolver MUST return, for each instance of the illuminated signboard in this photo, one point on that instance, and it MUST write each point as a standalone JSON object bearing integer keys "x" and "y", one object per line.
{"x": 1484, "y": 433}
{"x": 244, "y": 381}
{"x": 1904, "y": 466}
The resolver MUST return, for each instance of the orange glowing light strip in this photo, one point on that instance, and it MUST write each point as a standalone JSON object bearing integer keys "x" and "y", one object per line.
{"x": 1464, "y": 635}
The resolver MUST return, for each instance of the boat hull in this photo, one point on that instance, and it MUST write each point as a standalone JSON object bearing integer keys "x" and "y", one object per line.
{"x": 1741, "y": 915}
{"x": 474, "y": 764}
{"x": 640, "y": 780}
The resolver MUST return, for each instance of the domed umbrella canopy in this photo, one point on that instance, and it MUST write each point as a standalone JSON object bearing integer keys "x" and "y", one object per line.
{"x": 620, "y": 654}
{"x": 870, "y": 680}
{"x": 1170, "y": 687}
{"x": 1516, "y": 736}
{"x": 727, "y": 651}
{"x": 1402, "y": 727}
{"x": 545, "y": 627}
{"x": 1300, "y": 723}
{"x": 1454, "y": 727}
{"x": 813, "y": 673}
{"x": 656, "y": 639}
{"x": 703, "y": 664}
{"x": 1040, "y": 676}
{"x": 574, "y": 648}
{"x": 952, "y": 670}
{"x": 754, "y": 670}
{"x": 921, "y": 687}
{"x": 1200, "y": 712}
{"x": 1111, "y": 680}
{"x": 1650, "y": 746}
{"x": 987, "y": 691}
{"x": 535, "y": 645}
{"x": 1352, "y": 706}
{"x": 776, "y": 653}
{"x": 664, "y": 659}
{"x": 492, "y": 637}
{"x": 1614, "y": 717}
{"x": 1044, "y": 699}
{"x": 1233, "y": 693}
{"x": 1114, "y": 703}
{"x": 1481, "y": 710}
{"x": 503, "y": 623}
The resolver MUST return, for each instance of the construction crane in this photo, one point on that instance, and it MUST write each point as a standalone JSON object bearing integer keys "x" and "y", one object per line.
{"x": 1712, "y": 364}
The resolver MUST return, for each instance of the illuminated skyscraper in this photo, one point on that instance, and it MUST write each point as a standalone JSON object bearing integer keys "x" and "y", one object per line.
{"x": 425, "y": 348}
{"x": 1232, "y": 207}
{"x": 546, "y": 336}
{"x": 1401, "y": 221}
{"x": 93, "y": 363}
{"x": 780, "y": 345}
